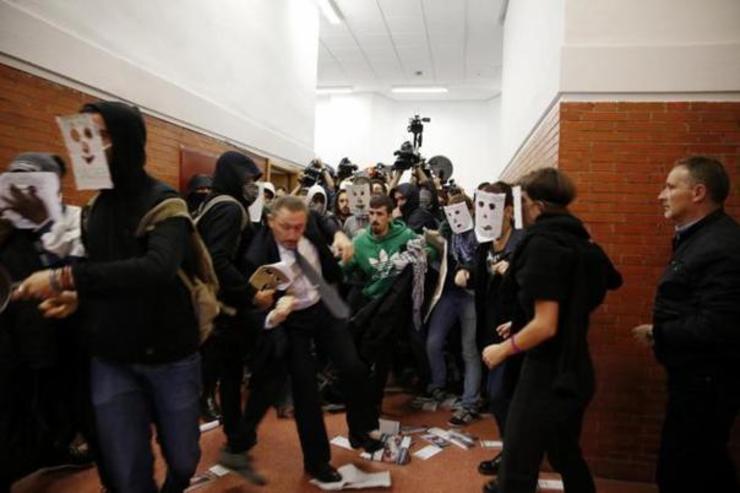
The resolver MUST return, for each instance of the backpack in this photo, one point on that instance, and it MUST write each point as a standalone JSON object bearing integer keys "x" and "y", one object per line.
{"x": 203, "y": 286}
{"x": 220, "y": 199}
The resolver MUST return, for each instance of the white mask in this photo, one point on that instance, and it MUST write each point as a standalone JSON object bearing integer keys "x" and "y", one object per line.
{"x": 359, "y": 198}
{"x": 489, "y": 215}
{"x": 85, "y": 147}
{"x": 458, "y": 217}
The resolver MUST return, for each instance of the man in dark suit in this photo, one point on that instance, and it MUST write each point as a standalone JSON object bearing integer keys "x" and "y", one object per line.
{"x": 311, "y": 311}
{"x": 695, "y": 332}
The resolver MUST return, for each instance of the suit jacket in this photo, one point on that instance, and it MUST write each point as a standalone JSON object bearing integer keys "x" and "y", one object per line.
{"x": 264, "y": 250}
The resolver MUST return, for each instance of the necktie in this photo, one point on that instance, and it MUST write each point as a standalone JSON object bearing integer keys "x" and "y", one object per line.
{"x": 329, "y": 296}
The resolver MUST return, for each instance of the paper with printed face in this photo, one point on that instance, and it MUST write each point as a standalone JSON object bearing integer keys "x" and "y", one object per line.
{"x": 458, "y": 217}
{"x": 359, "y": 198}
{"x": 85, "y": 147}
{"x": 489, "y": 215}
{"x": 38, "y": 186}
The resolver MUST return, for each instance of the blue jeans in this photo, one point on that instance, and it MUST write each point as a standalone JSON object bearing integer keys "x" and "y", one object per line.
{"x": 127, "y": 398}
{"x": 455, "y": 304}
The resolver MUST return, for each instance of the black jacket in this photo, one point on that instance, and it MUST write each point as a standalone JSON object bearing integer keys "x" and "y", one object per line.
{"x": 415, "y": 217}
{"x": 135, "y": 307}
{"x": 221, "y": 230}
{"x": 696, "y": 317}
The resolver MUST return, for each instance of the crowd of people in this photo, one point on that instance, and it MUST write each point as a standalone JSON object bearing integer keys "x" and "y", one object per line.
{"x": 112, "y": 328}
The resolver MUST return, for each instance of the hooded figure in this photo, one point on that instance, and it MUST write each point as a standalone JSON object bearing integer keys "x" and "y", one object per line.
{"x": 142, "y": 325}
{"x": 316, "y": 199}
{"x": 416, "y": 217}
{"x": 199, "y": 187}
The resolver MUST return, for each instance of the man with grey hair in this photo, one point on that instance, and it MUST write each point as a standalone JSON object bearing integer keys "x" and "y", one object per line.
{"x": 695, "y": 333}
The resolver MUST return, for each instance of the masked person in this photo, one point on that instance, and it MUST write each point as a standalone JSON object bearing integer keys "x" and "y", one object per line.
{"x": 560, "y": 276}
{"x": 493, "y": 307}
{"x": 199, "y": 187}
{"x": 227, "y": 231}
{"x": 416, "y": 217}
{"x": 456, "y": 305}
{"x": 43, "y": 370}
{"x": 143, "y": 332}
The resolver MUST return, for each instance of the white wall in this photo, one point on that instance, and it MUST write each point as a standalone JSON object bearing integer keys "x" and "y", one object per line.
{"x": 368, "y": 128}
{"x": 664, "y": 46}
{"x": 241, "y": 69}
{"x": 533, "y": 37}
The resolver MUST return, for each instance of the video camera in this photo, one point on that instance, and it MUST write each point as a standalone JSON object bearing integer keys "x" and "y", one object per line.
{"x": 408, "y": 155}
{"x": 346, "y": 169}
{"x": 312, "y": 174}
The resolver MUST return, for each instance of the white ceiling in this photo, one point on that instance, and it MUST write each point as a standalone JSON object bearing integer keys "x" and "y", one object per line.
{"x": 383, "y": 43}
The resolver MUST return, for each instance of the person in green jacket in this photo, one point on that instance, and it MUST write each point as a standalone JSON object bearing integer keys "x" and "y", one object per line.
{"x": 377, "y": 249}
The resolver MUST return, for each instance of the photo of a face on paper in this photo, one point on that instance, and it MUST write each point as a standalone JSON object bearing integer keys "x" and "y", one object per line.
{"x": 86, "y": 150}
{"x": 458, "y": 217}
{"x": 489, "y": 215}
{"x": 359, "y": 198}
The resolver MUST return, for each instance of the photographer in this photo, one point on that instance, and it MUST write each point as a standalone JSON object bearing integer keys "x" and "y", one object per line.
{"x": 316, "y": 172}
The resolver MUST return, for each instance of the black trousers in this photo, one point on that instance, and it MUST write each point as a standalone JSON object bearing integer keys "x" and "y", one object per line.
{"x": 264, "y": 354}
{"x": 542, "y": 422}
{"x": 702, "y": 407}
{"x": 316, "y": 325}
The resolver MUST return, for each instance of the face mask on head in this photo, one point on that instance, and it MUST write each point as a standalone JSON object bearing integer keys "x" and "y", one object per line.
{"x": 425, "y": 199}
{"x": 250, "y": 191}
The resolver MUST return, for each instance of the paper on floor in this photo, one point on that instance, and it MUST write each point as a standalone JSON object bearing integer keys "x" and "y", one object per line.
{"x": 341, "y": 441}
{"x": 389, "y": 427}
{"x": 491, "y": 444}
{"x": 354, "y": 479}
{"x": 209, "y": 426}
{"x": 427, "y": 452}
{"x": 550, "y": 484}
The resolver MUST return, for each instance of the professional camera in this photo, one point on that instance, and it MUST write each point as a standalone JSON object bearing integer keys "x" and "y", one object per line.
{"x": 346, "y": 168}
{"x": 406, "y": 157}
{"x": 451, "y": 188}
{"x": 312, "y": 174}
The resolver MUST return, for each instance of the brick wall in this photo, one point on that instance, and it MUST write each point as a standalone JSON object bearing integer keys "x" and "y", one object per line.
{"x": 28, "y": 105}
{"x": 618, "y": 154}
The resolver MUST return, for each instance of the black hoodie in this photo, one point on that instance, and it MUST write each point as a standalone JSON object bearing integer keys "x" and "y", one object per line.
{"x": 557, "y": 261}
{"x": 136, "y": 308}
{"x": 221, "y": 229}
{"x": 415, "y": 216}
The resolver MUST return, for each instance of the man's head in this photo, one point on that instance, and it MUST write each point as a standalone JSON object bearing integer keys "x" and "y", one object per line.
{"x": 287, "y": 220}
{"x": 400, "y": 199}
{"x": 378, "y": 187}
{"x": 379, "y": 214}
{"x": 342, "y": 208}
{"x": 695, "y": 187}
{"x": 545, "y": 190}
{"x": 123, "y": 133}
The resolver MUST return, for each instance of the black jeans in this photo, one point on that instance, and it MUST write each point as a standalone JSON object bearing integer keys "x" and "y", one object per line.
{"x": 702, "y": 407}
{"x": 540, "y": 421}
{"x": 316, "y": 325}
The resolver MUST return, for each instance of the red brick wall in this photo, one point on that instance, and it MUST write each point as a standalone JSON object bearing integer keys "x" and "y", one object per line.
{"x": 28, "y": 105}
{"x": 618, "y": 154}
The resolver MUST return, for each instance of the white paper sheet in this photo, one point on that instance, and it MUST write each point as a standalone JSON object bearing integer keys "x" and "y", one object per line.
{"x": 359, "y": 198}
{"x": 354, "y": 479}
{"x": 341, "y": 441}
{"x": 85, "y": 147}
{"x": 517, "y": 196}
{"x": 427, "y": 452}
{"x": 44, "y": 185}
{"x": 389, "y": 427}
{"x": 458, "y": 217}
{"x": 489, "y": 215}
{"x": 255, "y": 210}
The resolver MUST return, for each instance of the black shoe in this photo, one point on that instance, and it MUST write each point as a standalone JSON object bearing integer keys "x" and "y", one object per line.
{"x": 209, "y": 410}
{"x": 325, "y": 473}
{"x": 241, "y": 464}
{"x": 71, "y": 457}
{"x": 490, "y": 467}
{"x": 491, "y": 487}
{"x": 365, "y": 442}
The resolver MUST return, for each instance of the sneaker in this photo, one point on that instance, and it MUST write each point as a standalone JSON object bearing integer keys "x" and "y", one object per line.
{"x": 241, "y": 464}
{"x": 463, "y": 417}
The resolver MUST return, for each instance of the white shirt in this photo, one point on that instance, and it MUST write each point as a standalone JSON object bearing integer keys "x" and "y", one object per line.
{"x": 305, "y": 293}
